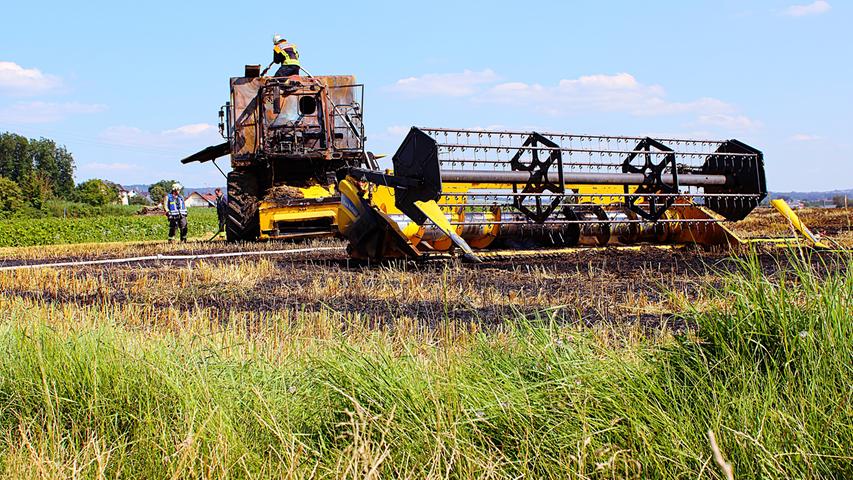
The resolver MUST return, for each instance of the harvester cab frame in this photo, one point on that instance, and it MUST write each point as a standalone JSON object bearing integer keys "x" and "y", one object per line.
{"x": 302, "y": 116}
{"x": 286, "y": 137}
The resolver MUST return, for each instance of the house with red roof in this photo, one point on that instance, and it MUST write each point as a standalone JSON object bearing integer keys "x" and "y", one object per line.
{"x": 196, "y": 199}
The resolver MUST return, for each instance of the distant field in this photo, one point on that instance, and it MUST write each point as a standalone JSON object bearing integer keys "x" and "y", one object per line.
{"x": 102, "y": 228}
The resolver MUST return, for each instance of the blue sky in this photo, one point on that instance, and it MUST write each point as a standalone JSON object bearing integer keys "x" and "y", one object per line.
{"x": 130, "y": 89}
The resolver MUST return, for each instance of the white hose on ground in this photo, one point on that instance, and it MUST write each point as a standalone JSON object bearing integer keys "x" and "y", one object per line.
{"x": 150, "y": 258}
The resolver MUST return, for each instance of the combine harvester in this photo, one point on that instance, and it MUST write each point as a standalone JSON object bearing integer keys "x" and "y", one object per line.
{"x": 299, "y": 169}
{"x": 473, "y": 190}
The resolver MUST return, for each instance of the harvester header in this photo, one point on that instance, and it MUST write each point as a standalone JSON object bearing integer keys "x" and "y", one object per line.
{"x": 500, "y": 187}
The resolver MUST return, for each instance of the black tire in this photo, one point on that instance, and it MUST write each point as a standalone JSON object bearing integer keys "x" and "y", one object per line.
{"x": 242, "y": 222}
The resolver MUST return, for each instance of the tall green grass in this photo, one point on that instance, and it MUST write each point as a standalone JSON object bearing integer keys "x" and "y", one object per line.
{"x": 768, "y": 371}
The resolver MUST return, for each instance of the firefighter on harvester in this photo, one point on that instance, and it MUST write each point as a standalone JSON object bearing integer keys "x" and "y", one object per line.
{"x": 285, "y": 54}
{"x": 176, "y": 212}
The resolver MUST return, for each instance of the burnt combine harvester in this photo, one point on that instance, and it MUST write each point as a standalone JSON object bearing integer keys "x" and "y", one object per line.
{"x": 286, "y": 137}
{"x": 473, "y": 189}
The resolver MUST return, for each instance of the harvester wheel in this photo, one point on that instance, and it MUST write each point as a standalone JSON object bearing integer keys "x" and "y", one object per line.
{"x": 242, "y": 222}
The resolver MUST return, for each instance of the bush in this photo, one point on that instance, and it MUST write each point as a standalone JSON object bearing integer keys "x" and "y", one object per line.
{"x": 63, "y": 209}
{"x": 96, "y": 192}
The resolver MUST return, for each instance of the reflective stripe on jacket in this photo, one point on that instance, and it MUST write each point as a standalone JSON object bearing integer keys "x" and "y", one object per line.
{"x": 285, "y": 54}
{"x": 175, "y": 205}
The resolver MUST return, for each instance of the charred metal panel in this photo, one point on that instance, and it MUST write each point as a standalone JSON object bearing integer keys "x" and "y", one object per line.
{"x": 311, "y": 117}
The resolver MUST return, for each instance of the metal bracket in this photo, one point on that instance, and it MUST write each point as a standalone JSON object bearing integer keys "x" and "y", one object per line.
{"x": 538, "y": 181}
{"x": 652, "y": 180}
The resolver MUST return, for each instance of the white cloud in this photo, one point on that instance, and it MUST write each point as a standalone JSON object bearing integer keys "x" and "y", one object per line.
{"x": 173, "y": 141}
{"x": 614, "y": 82}
{"x": 446, "y": 84}
{"x": 45, "y": 112}
{"x": 730, "y": 122}
{"x": 190, "y": 130}
{"x": 17, "y": 80}
{"x": 815, "y": 8}
{"x": 804, "y": 137}
{"x": 609, "y": 93}
{"x": 620, "y": 93}
{"x": 112, "y": 167}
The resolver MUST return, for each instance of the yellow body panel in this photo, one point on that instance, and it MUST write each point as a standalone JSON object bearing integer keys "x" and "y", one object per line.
{"x": 271, "y": 213}
{"x": 350, "y": 208}
{"x": 318, "y": 191}
{"x": 383, "y": 198}
{"x": 782, "y": 207}
{"x": 601, "y": 194}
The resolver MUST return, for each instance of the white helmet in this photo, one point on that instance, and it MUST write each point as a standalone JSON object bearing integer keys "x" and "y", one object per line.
{"x": 176, "y": 187}
{"x": 276, "y": 38}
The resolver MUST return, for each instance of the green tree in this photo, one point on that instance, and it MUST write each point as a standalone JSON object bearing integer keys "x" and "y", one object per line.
{"x": 96, "y": 192}
{"x": 840, "y": 201}
{"x": 37, "y": 188}
{"x": 11, "y": 198}
{"x": 15, "y": 162}
{"x": 63, "y": 185}
{"x": 159, "y": 190}
{"x": 36, "y": 164}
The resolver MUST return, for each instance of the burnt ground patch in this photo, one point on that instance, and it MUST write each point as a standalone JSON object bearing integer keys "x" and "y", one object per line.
{"x": 587, "y": 287}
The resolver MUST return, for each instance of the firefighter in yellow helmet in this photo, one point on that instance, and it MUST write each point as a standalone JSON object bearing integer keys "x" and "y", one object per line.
{"x": 176, "y": 212}
{"x": 286, "y": 54}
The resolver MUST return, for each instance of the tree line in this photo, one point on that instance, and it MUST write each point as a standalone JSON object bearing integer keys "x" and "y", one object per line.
{"x": 36, "y": 174}
{"x": 39, "y": 169}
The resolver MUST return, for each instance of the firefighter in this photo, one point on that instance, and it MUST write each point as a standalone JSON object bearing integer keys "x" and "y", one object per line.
{"x": 284, "y": 53}
{"x": 176, "y": 212}
{"x": 221, "y": 206}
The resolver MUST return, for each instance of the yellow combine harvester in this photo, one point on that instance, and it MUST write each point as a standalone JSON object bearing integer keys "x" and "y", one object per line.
{"x": 299, "y": 169}
{"x": 471, "y": 190}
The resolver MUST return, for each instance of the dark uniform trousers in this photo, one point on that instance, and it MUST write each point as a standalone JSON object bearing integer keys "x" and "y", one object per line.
{"x": 178, "y": 222}
{"x": 287, "y": 70}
